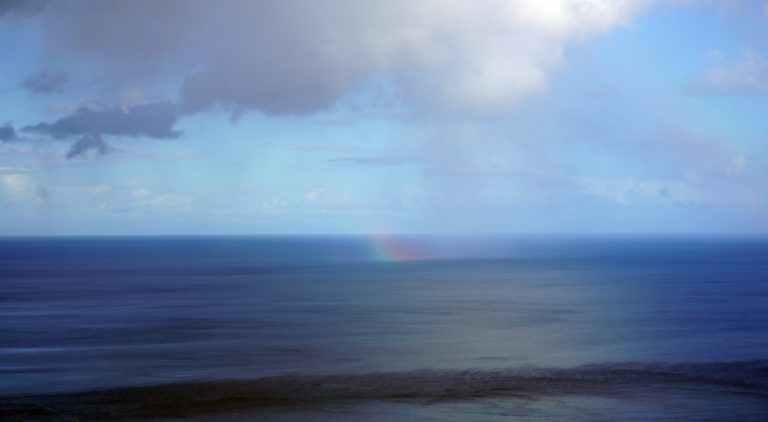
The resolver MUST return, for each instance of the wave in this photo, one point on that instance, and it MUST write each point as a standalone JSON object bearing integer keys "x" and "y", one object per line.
{"x": 195, "y": 397}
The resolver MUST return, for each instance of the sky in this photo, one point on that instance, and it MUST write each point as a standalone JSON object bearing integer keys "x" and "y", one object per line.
{"x": 344, "y": 117}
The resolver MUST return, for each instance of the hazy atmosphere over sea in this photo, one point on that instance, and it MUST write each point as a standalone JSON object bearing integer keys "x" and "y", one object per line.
{"x": 399, "y": 210}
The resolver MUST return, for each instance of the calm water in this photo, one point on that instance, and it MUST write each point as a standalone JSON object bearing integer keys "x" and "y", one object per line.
{"x": 571, "y": 328}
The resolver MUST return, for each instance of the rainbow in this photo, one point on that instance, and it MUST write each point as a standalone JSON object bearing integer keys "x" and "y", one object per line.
{"x": 398, "y": 248}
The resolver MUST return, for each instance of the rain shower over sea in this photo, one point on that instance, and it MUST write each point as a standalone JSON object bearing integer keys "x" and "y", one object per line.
{"x": 384, "y": 328}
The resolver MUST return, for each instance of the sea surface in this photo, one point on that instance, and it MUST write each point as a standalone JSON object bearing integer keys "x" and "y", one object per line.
{"x": 383, "y": 328}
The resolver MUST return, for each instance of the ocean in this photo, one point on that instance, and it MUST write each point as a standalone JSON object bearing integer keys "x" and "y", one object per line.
{"x": 384, "y": 328}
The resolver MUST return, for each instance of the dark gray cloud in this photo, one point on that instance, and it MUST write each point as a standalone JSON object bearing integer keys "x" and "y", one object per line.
{"x": 21, "y": 7}
{"x": 152, "y": 120}
{"x": 276, "y": 57}
{"x": 46, "y": 82}
{"x": 89, "y": 127}
{"x": 7, "y": 133}
{"x": 290, "y": 57}
{"x": 125, "y": 41}
{"x": 87, "y": 143}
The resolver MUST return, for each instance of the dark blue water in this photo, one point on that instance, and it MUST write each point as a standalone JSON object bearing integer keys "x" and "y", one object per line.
{"x": 78, "y": 314}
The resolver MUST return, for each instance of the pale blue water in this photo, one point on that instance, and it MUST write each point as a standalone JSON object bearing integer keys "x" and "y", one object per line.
{"x": 78, "y": 314}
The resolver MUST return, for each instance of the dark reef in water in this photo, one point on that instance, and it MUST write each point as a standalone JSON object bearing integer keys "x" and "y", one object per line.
{"x": 188, "y": 399}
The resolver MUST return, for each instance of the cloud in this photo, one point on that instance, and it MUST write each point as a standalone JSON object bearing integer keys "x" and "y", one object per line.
{"x": 459, "y": 56}
{"x": 7, "y": 133}
{"x": 87, "y": 143}
{"x": 631, "y": 191}
{"x": 152, "y": 120}
{"x": 20, "y": 7}
{"x": 90, "y": 126}
{"x": 18, "y": 186}
{"x": 747, "y": 76}
{"x": 275, "y": 207}
{"x": 46, "y": 82}
{"x": 300, "y": 56}
{"x": 15, "y": 185}
{"x": 314, "y": 194}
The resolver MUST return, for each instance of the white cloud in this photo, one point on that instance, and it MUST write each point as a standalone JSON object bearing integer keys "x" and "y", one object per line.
{"x": 481, "y": 57}
{"x": 314, "y": 194}
{"x": 17, "y": 185}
